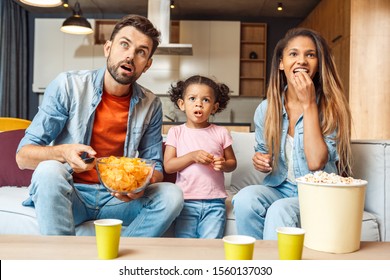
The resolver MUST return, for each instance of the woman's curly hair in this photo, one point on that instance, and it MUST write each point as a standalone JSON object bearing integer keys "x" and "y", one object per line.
{"x": 221, "y": 91}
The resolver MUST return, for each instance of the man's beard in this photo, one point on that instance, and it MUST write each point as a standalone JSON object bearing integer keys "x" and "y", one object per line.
{"x": 123, "y": 80}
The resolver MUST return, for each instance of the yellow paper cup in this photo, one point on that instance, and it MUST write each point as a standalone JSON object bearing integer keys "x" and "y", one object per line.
{"x": 108, "y": 233}
{"x": 290, "y": 242}
{"x": 239, "y": 247}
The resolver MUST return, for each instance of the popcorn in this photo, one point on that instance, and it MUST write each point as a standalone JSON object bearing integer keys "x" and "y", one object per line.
{"x": 326, "y": 178}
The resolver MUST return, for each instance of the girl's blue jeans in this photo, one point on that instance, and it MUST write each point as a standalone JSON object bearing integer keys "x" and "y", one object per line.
{"x": 201, "y": 219}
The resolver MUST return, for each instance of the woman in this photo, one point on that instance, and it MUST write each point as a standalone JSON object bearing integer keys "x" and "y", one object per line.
{"x": 303, "y": 126}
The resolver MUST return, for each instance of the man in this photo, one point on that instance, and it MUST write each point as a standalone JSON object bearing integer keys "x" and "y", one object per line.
{"x": 95, "y": 114}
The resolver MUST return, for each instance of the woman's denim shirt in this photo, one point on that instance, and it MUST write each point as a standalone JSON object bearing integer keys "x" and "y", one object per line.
{"x": 66, "y": 115}
{"x": 279, "y": 175}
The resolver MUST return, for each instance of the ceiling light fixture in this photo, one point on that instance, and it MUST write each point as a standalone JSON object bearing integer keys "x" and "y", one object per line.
{"x": 172, "y": 4}
{"x": 65, "y": 4}
{"x": 280, "y": 6}
{"x": 76, "y": 24}
{"x": 42, "y": 3}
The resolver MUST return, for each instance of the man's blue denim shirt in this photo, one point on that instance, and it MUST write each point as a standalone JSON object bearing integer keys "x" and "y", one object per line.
{"x": 279, "y": 175}
{"x": 67, "y": 112}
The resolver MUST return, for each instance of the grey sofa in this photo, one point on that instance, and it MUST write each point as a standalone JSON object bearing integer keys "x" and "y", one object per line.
{"x": 372, "y": 163}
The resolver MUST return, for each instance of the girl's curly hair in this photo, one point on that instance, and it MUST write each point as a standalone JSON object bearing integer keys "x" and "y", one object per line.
{"x": 221, "y": 91}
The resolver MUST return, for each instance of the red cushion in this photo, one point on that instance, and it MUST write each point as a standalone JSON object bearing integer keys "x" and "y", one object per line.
{"x": 10, "y": 174}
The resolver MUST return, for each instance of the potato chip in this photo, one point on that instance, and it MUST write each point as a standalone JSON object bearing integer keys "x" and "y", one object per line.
{"x": 123, "y": 174}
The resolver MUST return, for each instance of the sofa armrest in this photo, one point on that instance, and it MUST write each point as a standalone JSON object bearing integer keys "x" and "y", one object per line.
{"x": 371, "y": 162}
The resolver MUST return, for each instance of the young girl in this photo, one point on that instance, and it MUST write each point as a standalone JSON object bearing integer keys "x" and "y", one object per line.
{"x": 304, "y": 125}
{"x": 200, "y": 152}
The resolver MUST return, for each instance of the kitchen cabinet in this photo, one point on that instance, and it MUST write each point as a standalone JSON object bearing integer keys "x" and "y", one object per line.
{"x": 216, "y": 46}
{"x": 253, "y": 59}
{"x": 358, "y": 34}
{"x": 56, "y": 51}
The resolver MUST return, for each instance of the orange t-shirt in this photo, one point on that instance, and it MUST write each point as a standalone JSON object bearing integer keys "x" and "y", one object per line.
{"x": 108, "y": 133}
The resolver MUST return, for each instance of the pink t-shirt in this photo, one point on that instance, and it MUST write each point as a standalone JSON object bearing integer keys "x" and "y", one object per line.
{"x": 199, "y": 181}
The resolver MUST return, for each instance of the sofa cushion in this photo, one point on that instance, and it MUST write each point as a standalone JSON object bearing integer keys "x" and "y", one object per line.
{"x": 11, "y": 175}
{"x": 245, "y": 174}
{"x": 370, "y": 228}
{"x": 18, "y": 219}
{"x": 14, "y": 217}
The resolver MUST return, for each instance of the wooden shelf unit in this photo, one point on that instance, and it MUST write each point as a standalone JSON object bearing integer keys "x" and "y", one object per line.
{"x": 253, "y": 70}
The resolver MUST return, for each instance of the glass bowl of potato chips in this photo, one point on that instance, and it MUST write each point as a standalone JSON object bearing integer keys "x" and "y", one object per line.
{"x": 123, "y": 174}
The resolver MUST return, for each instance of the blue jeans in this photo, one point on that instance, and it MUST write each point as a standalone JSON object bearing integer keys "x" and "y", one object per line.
{"x": 60, "y": 205}
{"x": 201, "y": 219}
{"x": 259, "y": 210}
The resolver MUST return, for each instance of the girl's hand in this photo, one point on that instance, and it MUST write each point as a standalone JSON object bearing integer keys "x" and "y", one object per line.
{"x": 262, "y": 162}
{"x": 219, "y": 163}
{"x": 202, "y": 157}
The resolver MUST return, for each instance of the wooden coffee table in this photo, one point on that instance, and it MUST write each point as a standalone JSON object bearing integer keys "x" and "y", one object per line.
{"x": 17, "y": 247}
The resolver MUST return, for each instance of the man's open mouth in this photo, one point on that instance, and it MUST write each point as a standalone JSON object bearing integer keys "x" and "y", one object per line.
{"x": 127, "y": 68}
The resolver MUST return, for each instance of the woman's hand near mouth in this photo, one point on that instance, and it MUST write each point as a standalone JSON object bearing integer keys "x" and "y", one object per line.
{"x": 304, "y": 87}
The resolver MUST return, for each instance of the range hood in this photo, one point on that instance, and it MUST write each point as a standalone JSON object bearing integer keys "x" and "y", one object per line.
{"x": 159, "y": 13}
